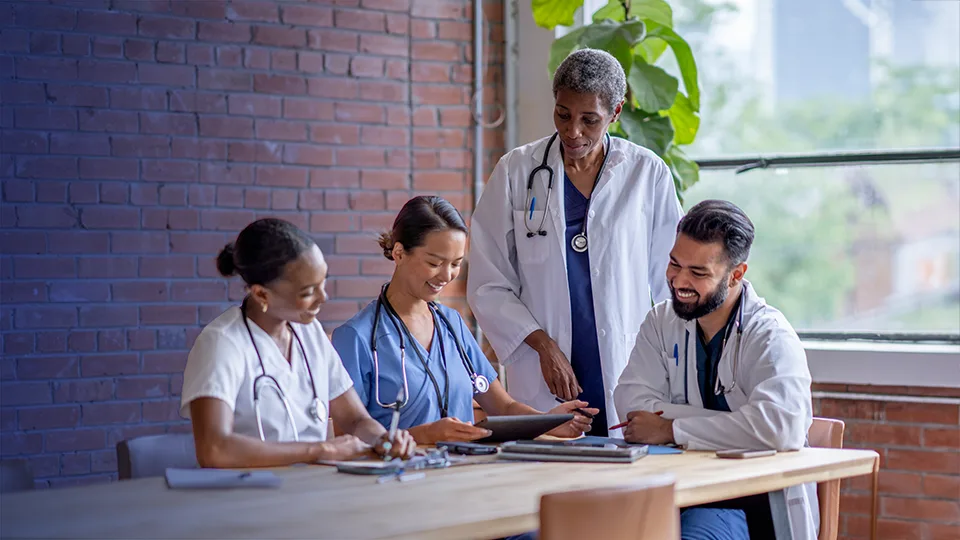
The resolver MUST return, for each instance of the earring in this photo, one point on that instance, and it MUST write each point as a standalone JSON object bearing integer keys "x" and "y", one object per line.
{"x": 263, "y": 307}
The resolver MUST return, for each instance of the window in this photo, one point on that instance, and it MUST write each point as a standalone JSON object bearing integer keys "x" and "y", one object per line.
{"x": 869, "y": 248}
{"x": 872, "y": 248}
{"x": 782, "y": 76}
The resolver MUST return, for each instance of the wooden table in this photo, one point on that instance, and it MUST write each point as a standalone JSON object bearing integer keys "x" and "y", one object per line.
{"x": 475, "y": 501}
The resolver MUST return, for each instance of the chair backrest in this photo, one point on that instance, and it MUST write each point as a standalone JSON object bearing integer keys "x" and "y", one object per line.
{"x": 151, "y": 455}
{"x": 636, "y": 511}
{"x": 827, "y": 433}
{"x": 15, "y": 475}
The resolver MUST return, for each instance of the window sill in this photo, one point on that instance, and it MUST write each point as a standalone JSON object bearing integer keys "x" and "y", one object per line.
{"x": 884, "y": 364}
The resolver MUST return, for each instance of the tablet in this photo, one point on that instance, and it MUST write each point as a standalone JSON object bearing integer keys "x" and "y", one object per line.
{"x": 520, "y": 427}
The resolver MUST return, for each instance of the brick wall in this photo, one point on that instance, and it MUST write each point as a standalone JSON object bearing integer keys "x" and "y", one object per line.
{"x": 916, "y": 434}
{"x": 138, "y": 136}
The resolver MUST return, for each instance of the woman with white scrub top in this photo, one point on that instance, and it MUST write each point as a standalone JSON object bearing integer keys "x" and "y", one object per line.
{"x": 263, "y": 379}
{"x": 424, "y": 352}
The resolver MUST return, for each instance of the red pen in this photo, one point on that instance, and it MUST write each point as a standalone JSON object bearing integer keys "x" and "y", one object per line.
{"x": 624, "y": 424}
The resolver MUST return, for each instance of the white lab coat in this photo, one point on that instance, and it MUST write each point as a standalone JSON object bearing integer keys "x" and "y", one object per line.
{"x": 770, "y": 403}
{"x": 517, "y": 285}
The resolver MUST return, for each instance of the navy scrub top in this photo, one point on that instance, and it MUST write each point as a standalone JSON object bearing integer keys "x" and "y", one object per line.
{"x": 585, "y": 349}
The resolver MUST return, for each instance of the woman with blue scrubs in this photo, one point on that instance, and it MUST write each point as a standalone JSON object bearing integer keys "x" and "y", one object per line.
{"x": 404, "y": 346}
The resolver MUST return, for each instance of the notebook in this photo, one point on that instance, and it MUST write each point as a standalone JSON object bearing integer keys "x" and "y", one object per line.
{"x": 538, "y": 451}
{"x": 654, "y": 449}
{"x": 220, "y": 479}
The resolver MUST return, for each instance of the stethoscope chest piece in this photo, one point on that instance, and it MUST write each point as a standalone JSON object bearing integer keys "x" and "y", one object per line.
{"x": 579, "y": 243}
{"x": 481, "y": 384}
{"x": 316, "y": 410}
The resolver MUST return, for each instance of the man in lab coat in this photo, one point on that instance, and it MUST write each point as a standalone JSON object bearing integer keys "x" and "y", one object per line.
{"x": 717, "y": 368}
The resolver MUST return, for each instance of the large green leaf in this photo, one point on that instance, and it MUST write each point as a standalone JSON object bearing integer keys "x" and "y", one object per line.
{"x": 653, "y": 88}
{"x": 688, "y": 66}
{"x": 552, "y": 13}
{"x": 650, "y": 49}
{"x": 562, "y": 47}
{"x": 658, "y": 11}
{"x": 613, "y": 11}
{"x": 616, "y": 38}
{"x": 685, "y": 171}
{"x": 686, "y": 121}
{"x": 650, "y": 131}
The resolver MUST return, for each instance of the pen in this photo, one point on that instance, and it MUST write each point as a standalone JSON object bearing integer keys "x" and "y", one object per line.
{"x": 581, "y": 411}
{"x": 533, "y": 203}
{"x": 676, "y": 353}
{"x": 624, "y": 424}
{"x": 394, "y": 422}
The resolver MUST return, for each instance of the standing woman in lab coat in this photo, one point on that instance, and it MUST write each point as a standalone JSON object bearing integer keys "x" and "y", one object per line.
{"x": 262, "y": 379}
{"x": 569, "y": 245}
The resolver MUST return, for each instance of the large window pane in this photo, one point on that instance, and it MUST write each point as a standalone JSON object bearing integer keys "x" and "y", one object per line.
{"x": 811, "y": 75}
{"x": 859, "y": 248}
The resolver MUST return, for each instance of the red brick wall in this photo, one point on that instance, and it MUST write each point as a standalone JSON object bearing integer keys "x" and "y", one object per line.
{"x": 919, "y": 447}
{"x": 138, "y": 136}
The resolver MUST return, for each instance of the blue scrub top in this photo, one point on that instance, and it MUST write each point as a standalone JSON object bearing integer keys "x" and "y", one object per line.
{"x": 352, "y": 341}
{"x": 585, "y": 349}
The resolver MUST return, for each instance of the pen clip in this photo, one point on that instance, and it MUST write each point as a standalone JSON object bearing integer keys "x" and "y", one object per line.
{"x": 533, "y": 203}
{"x": 676, "y": 353}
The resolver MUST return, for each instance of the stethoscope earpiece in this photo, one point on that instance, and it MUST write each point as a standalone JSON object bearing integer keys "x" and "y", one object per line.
{"x": 542, "y": 233}
{"x": 531, "y": 235}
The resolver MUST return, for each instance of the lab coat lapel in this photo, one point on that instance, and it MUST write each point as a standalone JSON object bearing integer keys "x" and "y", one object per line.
{"x": 556, "y": 215}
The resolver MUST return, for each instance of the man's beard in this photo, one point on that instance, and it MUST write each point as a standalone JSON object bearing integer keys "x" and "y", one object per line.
{"x": 689, "y": 312}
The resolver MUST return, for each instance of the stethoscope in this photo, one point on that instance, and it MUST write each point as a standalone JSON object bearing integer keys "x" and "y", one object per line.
{"x": 718, "y": 387}
{"x": 315, "y": 405}
{"x": 579, "y": 241}
{"x": 479, "y": 382}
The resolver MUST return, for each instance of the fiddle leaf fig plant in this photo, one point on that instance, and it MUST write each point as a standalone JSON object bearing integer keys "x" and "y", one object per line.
{"x": 662, "y": 110}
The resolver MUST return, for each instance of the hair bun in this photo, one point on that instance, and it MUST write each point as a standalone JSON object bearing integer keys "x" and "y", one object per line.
{"x": 225, "y": 263}
{"x": 385, "y": 240}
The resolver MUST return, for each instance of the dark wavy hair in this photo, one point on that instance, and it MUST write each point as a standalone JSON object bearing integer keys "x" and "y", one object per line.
{"x": 713, "y": 220}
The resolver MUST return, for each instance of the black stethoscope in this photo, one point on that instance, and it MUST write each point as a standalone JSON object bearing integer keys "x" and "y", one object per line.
{"x": 718, "y": 387}
{"x": 579, "y": 241}
{"x": 479, "y": 382}
{"x": 263, "y": 378}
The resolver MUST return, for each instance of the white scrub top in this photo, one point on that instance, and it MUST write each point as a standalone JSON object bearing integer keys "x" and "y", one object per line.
{"x": 223, "y": 364}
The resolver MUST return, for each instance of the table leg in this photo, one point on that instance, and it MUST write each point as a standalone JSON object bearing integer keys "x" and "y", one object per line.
{"x": 778, "y": 511}
{"x": 876, "y": 499}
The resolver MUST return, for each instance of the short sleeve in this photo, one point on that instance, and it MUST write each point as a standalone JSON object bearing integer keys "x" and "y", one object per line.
{"x": 338, "y": 377}
{"x": 215, "y": 369}
{"x": 474, "y": 352}
{"x": 353, "y": 353}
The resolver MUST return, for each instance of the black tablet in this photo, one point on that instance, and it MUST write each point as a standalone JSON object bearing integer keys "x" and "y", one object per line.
{"x": 520, "y": 427}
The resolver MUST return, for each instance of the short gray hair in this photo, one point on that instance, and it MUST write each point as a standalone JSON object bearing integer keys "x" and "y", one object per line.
{"x": 592, "y": 71}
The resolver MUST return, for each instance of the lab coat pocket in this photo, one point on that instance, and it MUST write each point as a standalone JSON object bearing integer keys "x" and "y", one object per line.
{"x": 674, "y": 377}
{"x": 531, "y": 249}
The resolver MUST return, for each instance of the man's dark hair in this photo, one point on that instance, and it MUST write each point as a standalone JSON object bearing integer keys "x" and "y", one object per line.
{"x": 712, "y": 221}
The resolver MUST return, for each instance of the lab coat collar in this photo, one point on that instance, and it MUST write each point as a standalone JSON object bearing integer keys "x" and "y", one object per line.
{"x": 616, "y": 157}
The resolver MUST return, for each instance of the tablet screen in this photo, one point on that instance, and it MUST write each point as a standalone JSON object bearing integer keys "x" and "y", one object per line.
{"x": 521, "y": 427}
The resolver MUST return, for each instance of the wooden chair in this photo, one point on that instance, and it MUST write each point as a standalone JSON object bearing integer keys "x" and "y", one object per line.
{"x": 638, "y": 511}
{"x": 827, "y": 433}
{"x": 151, "y": 455}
